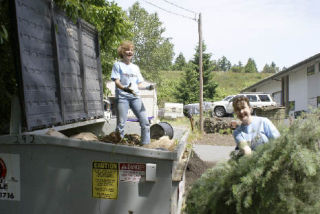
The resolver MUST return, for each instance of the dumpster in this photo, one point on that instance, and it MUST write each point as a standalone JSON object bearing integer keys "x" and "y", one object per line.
{"x": 46, "y": 174}
{"x": 61, "y": 88}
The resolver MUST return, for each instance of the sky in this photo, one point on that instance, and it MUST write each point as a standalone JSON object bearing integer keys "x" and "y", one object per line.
{"x": 281, "y": 31}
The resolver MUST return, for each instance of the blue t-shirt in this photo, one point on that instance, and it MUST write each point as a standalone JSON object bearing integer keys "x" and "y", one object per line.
{"x": 258, "y": 132}
{"x": 126, "y": 74}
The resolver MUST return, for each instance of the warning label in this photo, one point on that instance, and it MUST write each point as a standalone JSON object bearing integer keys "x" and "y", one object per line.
{"x": 9, "y": 177}
{"x": 105, "y": 176}
{"x": 132, "y": 172}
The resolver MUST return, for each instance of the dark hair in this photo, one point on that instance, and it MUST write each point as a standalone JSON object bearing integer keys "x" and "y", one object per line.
{"x": 238, "y": 100}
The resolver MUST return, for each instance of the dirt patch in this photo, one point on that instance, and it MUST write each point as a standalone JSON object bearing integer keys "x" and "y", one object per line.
{"x": 216, "y": 139}
{"x": 196, "y": 167}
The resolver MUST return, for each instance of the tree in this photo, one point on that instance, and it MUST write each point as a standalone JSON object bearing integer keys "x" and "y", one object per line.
{"x": 153, "y": 52}
{"x": 237, "y": 68}
{"x": 224, "y": 64}
{"x": 179, "y": 63}
{"x": 250, "y": 67}
{"x": 272, "y": 68}
{"x": 188, "y": 89}
{"x": 209, "y": 85}
{"x": 187, "y": 85}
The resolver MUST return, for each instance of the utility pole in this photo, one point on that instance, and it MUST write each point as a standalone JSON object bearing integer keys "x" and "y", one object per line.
{"x": 200, "y": 74}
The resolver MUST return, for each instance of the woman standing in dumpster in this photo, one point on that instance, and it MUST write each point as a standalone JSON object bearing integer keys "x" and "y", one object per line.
{"x": 128, "y": 80}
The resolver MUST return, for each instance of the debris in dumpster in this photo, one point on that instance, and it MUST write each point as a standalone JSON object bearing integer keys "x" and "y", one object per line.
{"x": 135, "y": 140}
{"x": 85, "y": 136}
{"x": 163, "y": 143}
{"x": 129, "y": 139}
{"x": 113, "y": 137}
{"x": 53, "y": 132}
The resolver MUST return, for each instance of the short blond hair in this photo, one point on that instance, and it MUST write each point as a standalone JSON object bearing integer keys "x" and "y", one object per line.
{"x": 124, "y": 45}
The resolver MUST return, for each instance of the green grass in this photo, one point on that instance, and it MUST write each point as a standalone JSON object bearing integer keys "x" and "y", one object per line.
{"x": 228, "y": 83}
{"x": 232, "y": 83}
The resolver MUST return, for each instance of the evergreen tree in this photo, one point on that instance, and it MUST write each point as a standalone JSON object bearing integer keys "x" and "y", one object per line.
{"x": 188, "y": 88}
{"x": 209, "y": 86}
{"x": 250, "y": 66}
{"x": 179, "y": 63}
{"x": 272, "y": 68}
{"x": 237, "y": 68}
{"x": 224, "y": 64}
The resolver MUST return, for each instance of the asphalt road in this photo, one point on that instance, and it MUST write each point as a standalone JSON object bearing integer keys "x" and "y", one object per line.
{"x": 212, "y": 154}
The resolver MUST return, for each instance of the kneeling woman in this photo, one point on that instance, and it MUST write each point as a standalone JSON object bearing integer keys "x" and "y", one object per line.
{"x": 253, "y": 130}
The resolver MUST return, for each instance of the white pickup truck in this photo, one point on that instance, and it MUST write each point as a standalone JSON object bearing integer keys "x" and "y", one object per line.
{"x": 256, "y": 99}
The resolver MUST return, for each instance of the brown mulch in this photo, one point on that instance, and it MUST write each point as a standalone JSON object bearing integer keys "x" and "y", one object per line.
{"x": 196, "y": 167}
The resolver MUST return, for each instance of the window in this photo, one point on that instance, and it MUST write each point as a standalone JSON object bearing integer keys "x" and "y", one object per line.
{"x": 310, "y": 70}
{"x": 252, "y": 98}
{"x": 291, "y": 105}
{"x": 318, "y": 101}
{"x": 264, "y": 98}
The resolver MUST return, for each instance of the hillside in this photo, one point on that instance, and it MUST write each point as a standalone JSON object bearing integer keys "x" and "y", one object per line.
{"x": 228, "y": 83}
{"x": 233, "y": 83}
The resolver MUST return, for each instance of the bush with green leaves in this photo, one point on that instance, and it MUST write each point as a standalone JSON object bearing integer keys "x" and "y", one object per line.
{"x": 282, "y": 176}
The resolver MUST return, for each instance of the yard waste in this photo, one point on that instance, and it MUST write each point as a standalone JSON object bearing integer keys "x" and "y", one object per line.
{"x": 219, "y": 125}
{"x": 282, "y": 176}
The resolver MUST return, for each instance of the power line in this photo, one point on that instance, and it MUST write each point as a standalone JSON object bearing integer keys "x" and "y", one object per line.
{"x": 179, "y": 7}
{"x": 187, "y": 17}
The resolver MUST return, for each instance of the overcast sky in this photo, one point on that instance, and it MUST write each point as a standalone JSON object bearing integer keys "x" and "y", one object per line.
{"x": 283, "y": 31}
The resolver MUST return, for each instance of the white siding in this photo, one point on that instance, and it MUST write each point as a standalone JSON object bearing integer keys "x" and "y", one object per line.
{"x": 313, "y": 87}
{"x": 272, "y": 87}
{"x": 304, "y": 90}
{"x": 298, "y": 90}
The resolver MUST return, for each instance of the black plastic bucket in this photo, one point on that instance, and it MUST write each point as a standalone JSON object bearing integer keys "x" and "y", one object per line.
{"x": 161, "y": 129}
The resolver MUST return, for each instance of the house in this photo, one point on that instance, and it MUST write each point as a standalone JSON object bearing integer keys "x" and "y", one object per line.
{"x": 149, "y": 99}
{"x": 297, "y": 87}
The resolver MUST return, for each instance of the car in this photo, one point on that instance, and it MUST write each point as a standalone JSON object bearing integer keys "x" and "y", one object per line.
{"x": 256, "y": 99}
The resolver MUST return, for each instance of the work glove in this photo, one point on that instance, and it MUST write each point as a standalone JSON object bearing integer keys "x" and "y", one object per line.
{"x": 128, "y": 89}
{"x": 150, "y": 87}
{"x": 245, "y": 148}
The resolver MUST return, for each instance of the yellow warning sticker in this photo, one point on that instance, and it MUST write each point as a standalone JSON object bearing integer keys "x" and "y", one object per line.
{"x": 105, "y": 180}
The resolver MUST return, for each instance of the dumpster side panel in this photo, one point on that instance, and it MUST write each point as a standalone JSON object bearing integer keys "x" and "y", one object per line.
{"x": 57, "y": 179}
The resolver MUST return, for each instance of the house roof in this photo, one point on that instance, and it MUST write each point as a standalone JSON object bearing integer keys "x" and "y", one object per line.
{"x": 277, "y": 76}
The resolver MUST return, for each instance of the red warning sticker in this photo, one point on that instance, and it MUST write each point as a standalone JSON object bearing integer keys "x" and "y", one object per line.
{"x": 132, "y": 172}
{"x": 10, "y": 177}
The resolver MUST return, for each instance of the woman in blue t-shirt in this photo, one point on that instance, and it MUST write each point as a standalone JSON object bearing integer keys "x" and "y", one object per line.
{"x": 253, "y": 130}
{"x": 128, "y": 80}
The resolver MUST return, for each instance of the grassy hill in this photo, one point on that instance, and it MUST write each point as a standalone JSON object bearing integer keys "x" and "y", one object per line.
{"x": 233, "y": 83}
{"x": 228, "y": 83}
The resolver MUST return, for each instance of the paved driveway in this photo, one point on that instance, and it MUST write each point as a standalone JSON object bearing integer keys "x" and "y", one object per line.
{"x": 211, "y": 153}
